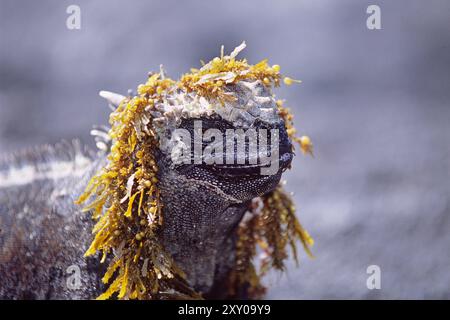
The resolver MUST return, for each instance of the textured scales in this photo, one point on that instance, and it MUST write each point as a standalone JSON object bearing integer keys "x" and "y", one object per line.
{"x": 42, "y": 231}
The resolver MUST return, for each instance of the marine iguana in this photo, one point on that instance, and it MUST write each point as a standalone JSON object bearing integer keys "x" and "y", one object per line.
{"x": 166, "y": 230}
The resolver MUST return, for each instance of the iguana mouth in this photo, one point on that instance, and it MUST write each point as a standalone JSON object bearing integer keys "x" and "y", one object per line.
{"x": 243, "y": 170}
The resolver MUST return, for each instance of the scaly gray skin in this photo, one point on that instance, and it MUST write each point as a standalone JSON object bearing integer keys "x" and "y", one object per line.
{"x": 43, "y": 233}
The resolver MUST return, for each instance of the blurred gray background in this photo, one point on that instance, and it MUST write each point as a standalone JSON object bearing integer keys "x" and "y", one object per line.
{"x": 375, "y": 102}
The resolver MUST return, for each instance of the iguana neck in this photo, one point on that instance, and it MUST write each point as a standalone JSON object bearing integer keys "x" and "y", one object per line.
{"x": 199, "y": 229}
{"x": 199, "y": 224}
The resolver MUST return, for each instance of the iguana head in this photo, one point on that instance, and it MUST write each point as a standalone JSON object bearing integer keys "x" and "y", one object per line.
{"x": 207, "y": 197}
{"x": 187, "y": 160}
{"x": 240, "y": 149}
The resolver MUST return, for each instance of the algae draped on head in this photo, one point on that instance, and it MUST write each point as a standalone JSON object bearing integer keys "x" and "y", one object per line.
{"x": 126, "y": 202}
